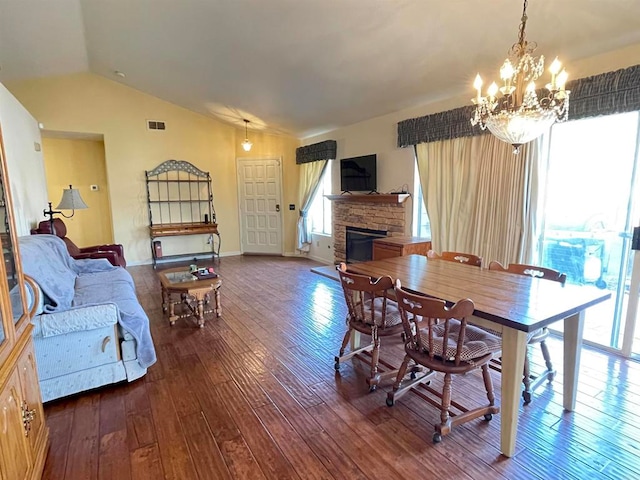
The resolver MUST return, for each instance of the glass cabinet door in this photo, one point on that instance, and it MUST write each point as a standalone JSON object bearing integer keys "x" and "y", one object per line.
{"x": 3, "y": 336}
{"x": 4, "y": 340}
{"x": 12, "y": 274}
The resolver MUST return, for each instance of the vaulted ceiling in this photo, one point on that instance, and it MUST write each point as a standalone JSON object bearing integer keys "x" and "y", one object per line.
{"x": 299, "y": 67}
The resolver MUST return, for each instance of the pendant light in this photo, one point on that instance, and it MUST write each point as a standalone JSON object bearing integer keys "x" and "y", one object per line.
{"x": 246, "y": 144}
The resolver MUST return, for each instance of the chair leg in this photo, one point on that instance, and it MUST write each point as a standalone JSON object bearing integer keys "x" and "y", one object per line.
{"x": 448, "y": 422}
{"x": 444, "y": 427}
{"x": 401, "y": 372}
{"x": 345, "y": 341}
{"x": 398, "y": 392}
{"x": 551, "y": 373}
{"x": 343, "y": 357}
{"x": 526, "y": 379}
{"x": 374, "y": 378}
{"x": 533, "y": 382}
{"x": 488, "y": 384}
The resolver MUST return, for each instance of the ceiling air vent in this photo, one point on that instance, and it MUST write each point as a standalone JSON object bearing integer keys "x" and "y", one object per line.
{"x": 155, "y": 125}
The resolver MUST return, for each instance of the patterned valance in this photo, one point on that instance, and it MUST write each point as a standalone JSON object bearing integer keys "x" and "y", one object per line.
{"x": 439, "y": 126}
{"x": 317, "y": 151}
{"x": 603, "y": 94}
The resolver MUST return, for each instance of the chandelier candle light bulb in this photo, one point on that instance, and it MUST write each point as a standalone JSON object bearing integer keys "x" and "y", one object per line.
{"x": 477, "y": 84}
{"x": 522, "y": 114}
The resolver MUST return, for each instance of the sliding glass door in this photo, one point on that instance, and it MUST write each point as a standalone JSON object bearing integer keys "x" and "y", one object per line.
{"x": 592, "y": 197}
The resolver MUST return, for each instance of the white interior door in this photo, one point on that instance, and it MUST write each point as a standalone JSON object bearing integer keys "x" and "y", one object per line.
{"x": 260, "y": 191}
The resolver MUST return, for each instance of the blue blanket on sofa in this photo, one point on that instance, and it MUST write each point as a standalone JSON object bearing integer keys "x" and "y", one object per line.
{"x": 68, "y": 283}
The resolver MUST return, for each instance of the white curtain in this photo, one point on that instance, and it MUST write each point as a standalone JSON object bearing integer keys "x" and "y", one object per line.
{"x": 481, "y": 198}
{"x": 310, "y": 175}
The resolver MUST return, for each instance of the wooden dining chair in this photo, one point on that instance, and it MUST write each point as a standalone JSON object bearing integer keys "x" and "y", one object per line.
{"x": 531, "y": 382}
{"x": 539, "y": 336}
{"x": 444, "y": 342}
{"x": 371, "y": 311}
{"x": 466, "y": 258}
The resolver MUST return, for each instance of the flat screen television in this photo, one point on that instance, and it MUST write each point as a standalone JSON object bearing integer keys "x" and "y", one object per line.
{"x": 358, "y": 174}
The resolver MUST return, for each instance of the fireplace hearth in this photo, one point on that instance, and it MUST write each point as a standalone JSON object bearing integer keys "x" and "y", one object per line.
{"x": 359, "y": 243}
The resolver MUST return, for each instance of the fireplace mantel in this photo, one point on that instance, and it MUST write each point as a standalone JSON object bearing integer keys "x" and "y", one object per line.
{"x": 370, "y": 198}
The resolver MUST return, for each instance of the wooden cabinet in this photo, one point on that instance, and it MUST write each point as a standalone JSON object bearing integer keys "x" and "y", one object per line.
{"x": 24, "y": 437}
{"x": 14, "y": 449}
{"x": 31, "y": 398}
{"x": 399, "y": 246}
{"x": 23, "y": 433}
{"x": 180, "y": 202}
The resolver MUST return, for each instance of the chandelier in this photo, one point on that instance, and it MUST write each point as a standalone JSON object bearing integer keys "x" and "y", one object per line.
{"x": 515, "y": 112}
{"x": 246, "y": 144}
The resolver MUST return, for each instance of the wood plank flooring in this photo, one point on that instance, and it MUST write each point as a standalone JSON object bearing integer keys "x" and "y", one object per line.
{"x": 254, "y": 395}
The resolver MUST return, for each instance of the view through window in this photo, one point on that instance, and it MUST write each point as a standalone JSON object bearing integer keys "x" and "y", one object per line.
{"x": 421, "y": 225}
{"x": 591, "y": 207}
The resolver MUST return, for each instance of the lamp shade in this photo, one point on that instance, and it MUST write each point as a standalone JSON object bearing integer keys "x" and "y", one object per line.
{"x": 71, "y": 200}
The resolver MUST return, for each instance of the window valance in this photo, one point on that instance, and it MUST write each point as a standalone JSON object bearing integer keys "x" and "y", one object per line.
{"x": 438, "y": 126}
{"x": 317, "y": 151}
{"x": 603, "y": 94}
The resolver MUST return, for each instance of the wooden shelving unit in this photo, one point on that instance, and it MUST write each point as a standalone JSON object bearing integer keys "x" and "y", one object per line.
{"x": 180, "y": 202}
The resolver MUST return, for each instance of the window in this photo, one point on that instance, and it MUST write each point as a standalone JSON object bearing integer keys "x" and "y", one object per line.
{"x": 320, "y": 211}
{"x": 421, "y": 225}
{"x": 592, "y": 203}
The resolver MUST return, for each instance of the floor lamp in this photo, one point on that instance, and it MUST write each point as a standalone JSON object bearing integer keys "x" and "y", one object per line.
{"x": 71, "y": 200}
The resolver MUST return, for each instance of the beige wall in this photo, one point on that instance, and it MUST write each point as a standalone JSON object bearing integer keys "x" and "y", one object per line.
{"x": 80, "y": 163}
{"x": 396, "y": 165}
{"x": 88, "y": 103}
{"x": 22, "y": 145}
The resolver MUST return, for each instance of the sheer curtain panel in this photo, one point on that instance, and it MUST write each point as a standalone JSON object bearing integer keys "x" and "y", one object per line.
{"x": 310, "y": 175}
{"x": 312, "y": 160}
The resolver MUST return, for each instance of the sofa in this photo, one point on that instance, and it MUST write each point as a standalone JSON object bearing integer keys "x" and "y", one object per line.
{"x": 89, "y": 328}
{"x": 112, "y": 252}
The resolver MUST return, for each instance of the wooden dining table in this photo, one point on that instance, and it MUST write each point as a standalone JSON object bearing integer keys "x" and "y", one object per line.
{"x": 512, "y": 304}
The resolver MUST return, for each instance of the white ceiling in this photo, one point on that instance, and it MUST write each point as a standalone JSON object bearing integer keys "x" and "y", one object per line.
{"x": 300, "y": 67}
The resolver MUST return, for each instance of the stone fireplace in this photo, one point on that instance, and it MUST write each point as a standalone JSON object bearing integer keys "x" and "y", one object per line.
{"x": 385, "y": 212}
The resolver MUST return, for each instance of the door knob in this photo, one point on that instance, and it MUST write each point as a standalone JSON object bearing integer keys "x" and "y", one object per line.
{"x": 277, "y": 207}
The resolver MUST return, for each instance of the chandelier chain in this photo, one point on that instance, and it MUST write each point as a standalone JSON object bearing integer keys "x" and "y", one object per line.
{"x": 523, "y": 25}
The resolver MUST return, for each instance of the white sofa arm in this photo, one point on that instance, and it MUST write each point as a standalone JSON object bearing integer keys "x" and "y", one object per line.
{"x": 75, "y": 320}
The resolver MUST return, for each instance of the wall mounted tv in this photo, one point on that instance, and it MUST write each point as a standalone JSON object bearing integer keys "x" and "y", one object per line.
{"x": 358, "y": 174}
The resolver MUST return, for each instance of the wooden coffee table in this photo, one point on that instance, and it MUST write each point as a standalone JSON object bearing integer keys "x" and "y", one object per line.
{"x": 195, "y": 293}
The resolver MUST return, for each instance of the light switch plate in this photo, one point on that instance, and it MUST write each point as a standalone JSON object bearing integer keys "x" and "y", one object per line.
{"x": 94, "y": 188}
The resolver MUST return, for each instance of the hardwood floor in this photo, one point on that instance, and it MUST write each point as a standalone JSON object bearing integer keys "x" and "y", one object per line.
{"x": 254, "y": 395}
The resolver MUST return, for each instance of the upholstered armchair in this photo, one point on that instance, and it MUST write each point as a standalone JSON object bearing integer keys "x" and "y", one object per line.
{"x": 114, "y": 253}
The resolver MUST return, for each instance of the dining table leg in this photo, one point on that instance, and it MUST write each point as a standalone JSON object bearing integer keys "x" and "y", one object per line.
{"x": 514, "y": 346}
{"x": 573, "y": 327}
